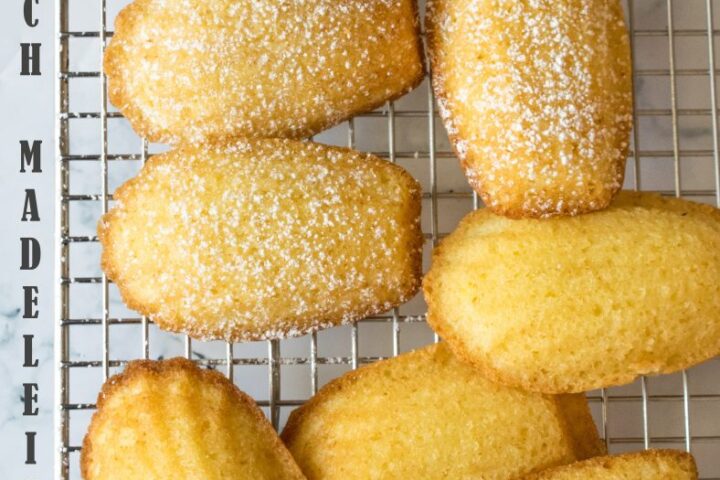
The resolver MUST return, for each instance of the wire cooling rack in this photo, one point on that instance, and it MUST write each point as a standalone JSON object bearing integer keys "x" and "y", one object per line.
{"x": 674, "y": 151}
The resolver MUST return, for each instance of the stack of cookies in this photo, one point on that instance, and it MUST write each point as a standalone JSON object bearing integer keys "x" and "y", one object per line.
{"x": 562, "y": 285}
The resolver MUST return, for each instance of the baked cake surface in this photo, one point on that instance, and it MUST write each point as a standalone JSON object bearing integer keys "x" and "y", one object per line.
{"x": 211, "y": 70}
{"x": 169, "y": 420}
{"x": 537, "y": 99}
{"x": 427, "y": 415}
{"x": 571, "y": 304}
{"x": 263, "y": 239}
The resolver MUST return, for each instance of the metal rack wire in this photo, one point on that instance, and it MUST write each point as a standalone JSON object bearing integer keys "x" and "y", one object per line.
{"x": 680, "y": 411}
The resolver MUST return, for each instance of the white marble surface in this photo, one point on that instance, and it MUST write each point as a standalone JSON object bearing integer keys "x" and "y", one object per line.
{"x": 371, "y": 134}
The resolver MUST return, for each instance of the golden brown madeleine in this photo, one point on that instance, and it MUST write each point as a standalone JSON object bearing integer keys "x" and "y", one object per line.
{"x": 647, "y": 465}
{"x": 264, "y": 238}
{"x": 571, "y": 304}
{"x": 537, "y": 99}
{"x": 163, "y": 420}
{"x": 426, "y": 415}
{"x": 204, "y": 70}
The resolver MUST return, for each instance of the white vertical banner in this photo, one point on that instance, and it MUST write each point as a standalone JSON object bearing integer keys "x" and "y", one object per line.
{"x": 26, "y": 242}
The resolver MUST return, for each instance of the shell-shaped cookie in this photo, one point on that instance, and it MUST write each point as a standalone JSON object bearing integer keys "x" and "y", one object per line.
{"x": 426, "y": 415}
{"x": 170, "y": 420}
{"x": 207, "y": 70}
{"x": 537, "y": 99}
{"x": 572, "y": 304}
{"x": 648, "y": 465}
{"x": 264, "y": 239}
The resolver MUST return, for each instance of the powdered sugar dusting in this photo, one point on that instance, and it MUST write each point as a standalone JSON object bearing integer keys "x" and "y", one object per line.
{"x": 193, "y": 70}
{"x": 264, "y": 239}
{"x": 537, "y": 98}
